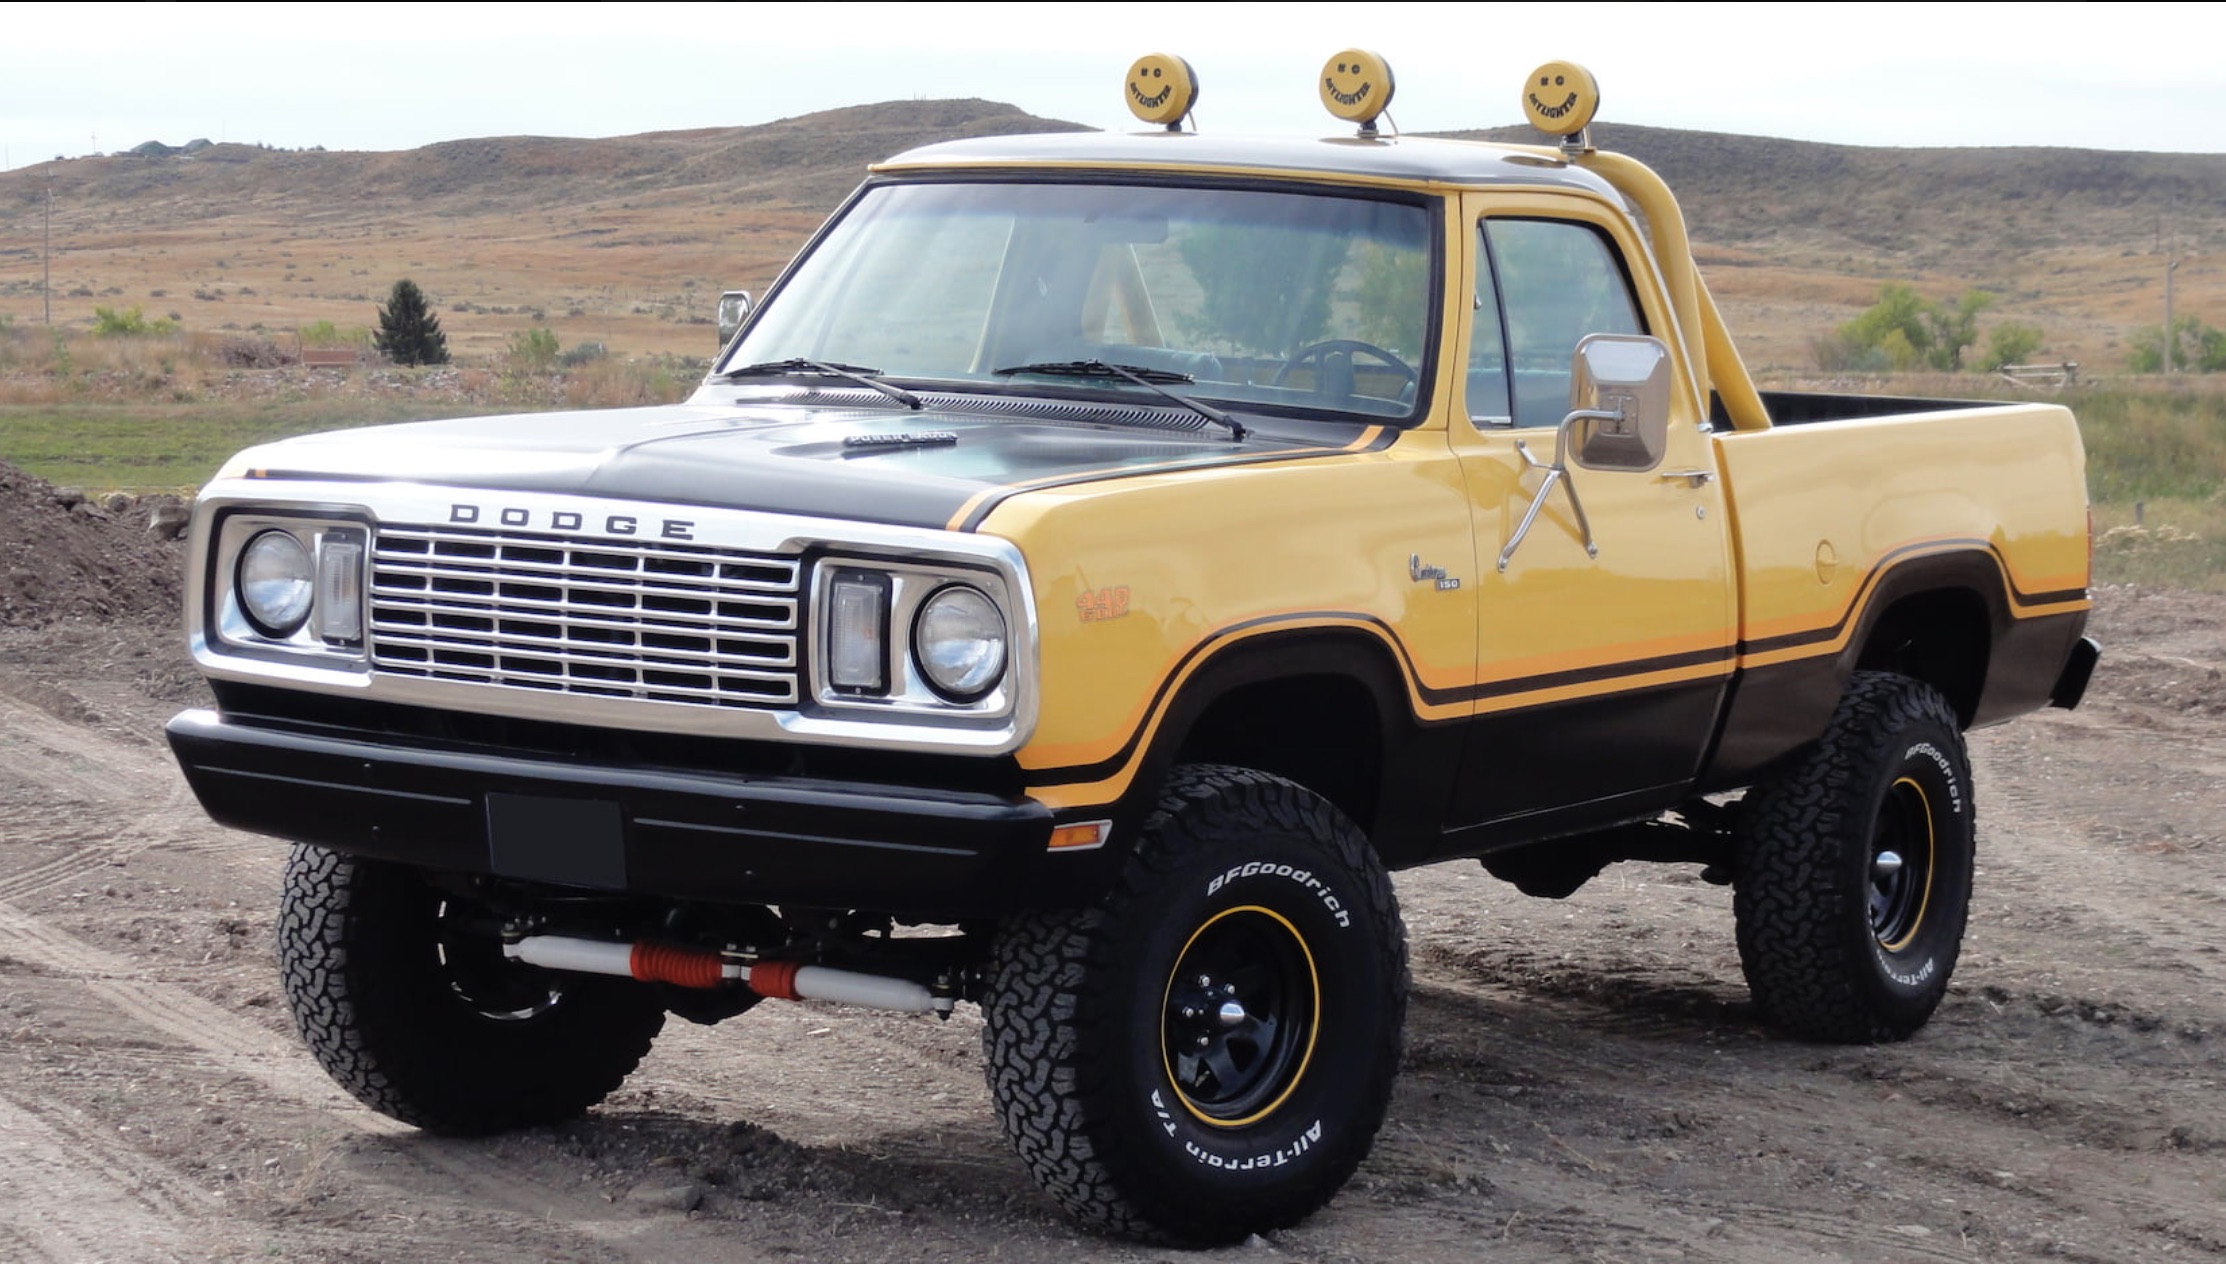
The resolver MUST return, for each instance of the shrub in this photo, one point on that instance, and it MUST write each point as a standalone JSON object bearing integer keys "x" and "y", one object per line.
{"x": 131, "y": 322}
{"x": 324, "y": 333}
{"x": 533, "y": 350}
{"x": 409, "y": 332}
{"x": 582, "y": 353}
{"x": 2196, "y": 347}
{"x": 1904, "y": 330}
{"x": 609, "y": 383}
{"x": 2011, "y": 343}
{"x": 251, "y": 353}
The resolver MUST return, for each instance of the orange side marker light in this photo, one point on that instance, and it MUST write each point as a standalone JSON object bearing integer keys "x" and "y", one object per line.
{"x": 1080, "y": 837}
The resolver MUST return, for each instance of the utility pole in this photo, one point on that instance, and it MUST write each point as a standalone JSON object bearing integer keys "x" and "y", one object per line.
{"x": 46, "y": 281}
{"x": 2171, "y": 266}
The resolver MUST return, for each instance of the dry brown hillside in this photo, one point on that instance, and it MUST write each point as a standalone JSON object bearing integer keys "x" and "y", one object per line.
{"x": 1797, "y": 236}
{"x": 624, "y": 240}
{"x": 627, "y": 240}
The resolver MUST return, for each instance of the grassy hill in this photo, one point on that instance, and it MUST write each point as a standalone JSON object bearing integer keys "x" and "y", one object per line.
{"x": 628, "y": 240}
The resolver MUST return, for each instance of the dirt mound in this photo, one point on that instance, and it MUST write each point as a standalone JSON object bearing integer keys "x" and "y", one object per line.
{"x": 63, "y": 556}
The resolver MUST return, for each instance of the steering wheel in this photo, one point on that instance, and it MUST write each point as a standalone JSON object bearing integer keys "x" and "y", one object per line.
{"x": 1349, "y": 346}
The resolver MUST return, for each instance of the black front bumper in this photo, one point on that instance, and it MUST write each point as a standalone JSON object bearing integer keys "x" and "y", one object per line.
{"x": 745, "y": 838}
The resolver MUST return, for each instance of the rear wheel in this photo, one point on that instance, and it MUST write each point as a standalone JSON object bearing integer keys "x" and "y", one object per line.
{"x": 1207, "y": 1054}
{"x": 1854, "y": 869}
{"x": 405, "y": 998}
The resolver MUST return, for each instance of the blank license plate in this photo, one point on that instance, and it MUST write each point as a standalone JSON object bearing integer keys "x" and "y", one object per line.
{"x": 575, "y": 842}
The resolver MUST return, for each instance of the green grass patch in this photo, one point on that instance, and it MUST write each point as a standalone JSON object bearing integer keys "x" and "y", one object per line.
{"x": 2175, "y": 544}
{"x": 2159, "y": 444}
{"x": 144, "y": 447}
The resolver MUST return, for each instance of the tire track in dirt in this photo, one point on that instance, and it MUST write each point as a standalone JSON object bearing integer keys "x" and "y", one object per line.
{"x": 121, "y": 1207}
{"x": 60, "y": 870}
{"x": 66, "y": 754}
{"x": 125, "y": 792}
{"x": 469, "y": 1174}
{"x": 1599, "y": 1044}
{"x": 237, "y": 1047}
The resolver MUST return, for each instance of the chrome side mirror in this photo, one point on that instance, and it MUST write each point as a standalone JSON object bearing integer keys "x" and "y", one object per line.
{"x": 1619, "y": 395}
{"x": 734, "y": 306}
{"x": 1619, "y": 391}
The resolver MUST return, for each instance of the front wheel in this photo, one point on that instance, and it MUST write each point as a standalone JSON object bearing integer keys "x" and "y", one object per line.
{"x": 1854, "y": 869}
{"x": 405, "y": 998}
{"x": 1209, "y": 1052}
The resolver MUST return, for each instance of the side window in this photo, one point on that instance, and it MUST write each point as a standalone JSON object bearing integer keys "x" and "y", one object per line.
{"x": 1487, "y": 389}
{"x": 1558, "y": 281}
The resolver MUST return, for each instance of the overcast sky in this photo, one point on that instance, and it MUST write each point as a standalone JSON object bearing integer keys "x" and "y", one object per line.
{"x": 85, "y": 78}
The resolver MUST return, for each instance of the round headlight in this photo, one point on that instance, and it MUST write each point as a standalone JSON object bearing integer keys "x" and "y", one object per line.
{"x": 276, "y": 580}
{"x": 958, "y": 639}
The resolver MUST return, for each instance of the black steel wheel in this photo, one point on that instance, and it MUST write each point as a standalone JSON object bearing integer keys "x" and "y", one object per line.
{"x": 1854, "y": 869}
{"x": 1242, "y": 1016}
{"x": 1904, "y": 850}
{"x": 405, "y": 998}
{"x": 1208, "y": 1053}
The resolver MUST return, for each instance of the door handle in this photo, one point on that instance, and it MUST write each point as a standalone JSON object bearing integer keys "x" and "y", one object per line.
{"x": 1693, "y": 478}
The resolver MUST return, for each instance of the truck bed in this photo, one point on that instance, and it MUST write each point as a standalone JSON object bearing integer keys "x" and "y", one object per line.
{"x": 1850, "y": 503}
{"x": 1800, "y": 408}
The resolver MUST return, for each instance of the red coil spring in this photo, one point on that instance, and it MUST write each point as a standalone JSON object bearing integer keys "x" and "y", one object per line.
{"x": 775, "y": 979}
{"x": 681, "y": 967}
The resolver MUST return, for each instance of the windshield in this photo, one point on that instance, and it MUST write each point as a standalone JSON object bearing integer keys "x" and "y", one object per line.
{"x": 1263, "y": 299}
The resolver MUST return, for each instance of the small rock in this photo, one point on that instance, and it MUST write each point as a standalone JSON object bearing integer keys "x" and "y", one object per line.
{"x": 69, "y": 497}
{"x": 686, "y": 1196}
{"x": 168, "y": 519}
{"x": 117, "y": 502}
{"x": 1913, "y": 1230}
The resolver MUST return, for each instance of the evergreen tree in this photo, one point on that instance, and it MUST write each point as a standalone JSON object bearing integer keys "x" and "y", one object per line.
{"x": 409, "y": 332}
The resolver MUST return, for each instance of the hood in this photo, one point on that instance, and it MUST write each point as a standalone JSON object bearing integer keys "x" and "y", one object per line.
{"x": 938, "y": 467}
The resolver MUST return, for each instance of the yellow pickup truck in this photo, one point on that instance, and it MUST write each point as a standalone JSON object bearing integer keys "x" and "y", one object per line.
{"x": 1094, "y": 565}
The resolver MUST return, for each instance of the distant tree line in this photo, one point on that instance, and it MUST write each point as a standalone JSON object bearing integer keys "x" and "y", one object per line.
{"x": 1904, "y": 330}
{"x": 2196, "y": 347}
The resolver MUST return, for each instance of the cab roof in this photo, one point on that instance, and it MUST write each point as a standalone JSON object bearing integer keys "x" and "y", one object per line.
{"x": 1404, "y": 159}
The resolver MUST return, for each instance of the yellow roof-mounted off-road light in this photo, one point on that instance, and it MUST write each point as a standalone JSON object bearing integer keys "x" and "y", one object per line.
{"x": 1560, "y": 99}
{"x": 1161, "y": 89}
{"x": 1356, "y": 87}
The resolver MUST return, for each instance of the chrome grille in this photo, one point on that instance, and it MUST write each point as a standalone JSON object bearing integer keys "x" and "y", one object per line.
{"x": 660, "y": 621}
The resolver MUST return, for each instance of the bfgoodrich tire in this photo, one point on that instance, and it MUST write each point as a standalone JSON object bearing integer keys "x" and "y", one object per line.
{"x": 404, "y": 997}
{"x": 1208, "y": 1053}
{"x": 1854, "y": 869}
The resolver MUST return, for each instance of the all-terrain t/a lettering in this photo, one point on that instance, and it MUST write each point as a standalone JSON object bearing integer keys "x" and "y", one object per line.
{"x": 1275, "y": 1158}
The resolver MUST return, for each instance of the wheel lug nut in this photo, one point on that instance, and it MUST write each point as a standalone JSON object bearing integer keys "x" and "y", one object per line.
{"x": 1201, "y": 1042}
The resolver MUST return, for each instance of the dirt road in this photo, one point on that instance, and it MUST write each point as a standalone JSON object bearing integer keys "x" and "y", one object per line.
{"x": 1584, "y": 1079}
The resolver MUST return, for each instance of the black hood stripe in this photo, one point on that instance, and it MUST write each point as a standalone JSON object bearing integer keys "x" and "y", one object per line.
{"x": 976, "y": 510}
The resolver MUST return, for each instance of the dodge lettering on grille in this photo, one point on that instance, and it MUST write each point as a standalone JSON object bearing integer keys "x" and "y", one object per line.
{"x": 570, "y": 520}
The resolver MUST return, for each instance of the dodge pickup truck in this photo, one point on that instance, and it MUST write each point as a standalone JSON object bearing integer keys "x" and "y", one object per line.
{"x": 1095, "y": 564}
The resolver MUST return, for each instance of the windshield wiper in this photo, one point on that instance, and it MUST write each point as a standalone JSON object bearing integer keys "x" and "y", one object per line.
{"x": 798, "y": 365}
{"x": 1148, "y": 378}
